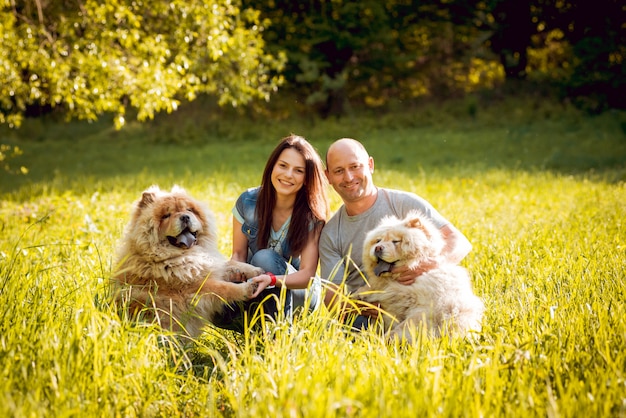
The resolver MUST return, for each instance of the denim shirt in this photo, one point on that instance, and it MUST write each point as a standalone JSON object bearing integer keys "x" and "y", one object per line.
{"x": 245, "y": 208}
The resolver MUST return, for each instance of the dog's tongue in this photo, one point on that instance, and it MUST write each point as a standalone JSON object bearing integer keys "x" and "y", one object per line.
{"x": 185, "y": 239}
{"x": 382, "y": 267}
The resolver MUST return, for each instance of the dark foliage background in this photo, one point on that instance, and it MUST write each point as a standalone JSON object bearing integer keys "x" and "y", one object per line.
{"x": 327, "y": 57}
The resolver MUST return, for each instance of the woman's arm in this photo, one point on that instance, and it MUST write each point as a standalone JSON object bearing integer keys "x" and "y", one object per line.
{"x": 301, "y": 278}
{"x": 308, "y": 264}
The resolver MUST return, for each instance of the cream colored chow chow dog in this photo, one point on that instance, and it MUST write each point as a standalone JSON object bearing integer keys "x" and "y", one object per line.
{"x": 169, "y": 268}
{"x": 440, "y": 299}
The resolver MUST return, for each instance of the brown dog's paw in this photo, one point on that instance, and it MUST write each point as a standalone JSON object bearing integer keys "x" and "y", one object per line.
{"x": 235, "y": 275}
{"x": 252, "y": 287}
{"x": 251, "y": 271}
{"x": 240, "y": 272}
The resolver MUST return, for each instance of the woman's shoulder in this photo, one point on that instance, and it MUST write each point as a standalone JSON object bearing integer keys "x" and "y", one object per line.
{"x": 246, "y": 202}
{"x": 249, "y": 194}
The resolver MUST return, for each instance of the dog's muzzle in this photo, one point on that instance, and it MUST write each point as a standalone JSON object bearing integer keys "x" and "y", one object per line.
{"x": 185, "y": 239}
{"x": 382, "y": 267}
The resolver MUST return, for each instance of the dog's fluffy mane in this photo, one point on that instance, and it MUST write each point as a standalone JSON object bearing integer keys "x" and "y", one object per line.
{"x": 427, "y": 240}
{"x": 150, "y": 258}
{"x": 441, "y": 298}
{"x": 168, "y": 265}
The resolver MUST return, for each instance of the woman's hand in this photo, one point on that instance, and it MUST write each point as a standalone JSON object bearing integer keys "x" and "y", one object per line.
{"x": 263, "y": 281}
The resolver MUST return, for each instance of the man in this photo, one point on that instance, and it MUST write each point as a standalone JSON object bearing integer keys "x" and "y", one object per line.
{"x": 349, "y": 169}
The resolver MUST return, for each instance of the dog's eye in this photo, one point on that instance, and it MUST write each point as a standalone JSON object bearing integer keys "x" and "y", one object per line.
{"x": 167, "y": 215}
{"x": 396, "y": 241}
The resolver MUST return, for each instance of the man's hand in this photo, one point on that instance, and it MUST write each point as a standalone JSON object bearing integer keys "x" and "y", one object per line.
{"x": 363, "y": 308}
{"x": 407, "y": 276}
{"x": 371, "y": 312}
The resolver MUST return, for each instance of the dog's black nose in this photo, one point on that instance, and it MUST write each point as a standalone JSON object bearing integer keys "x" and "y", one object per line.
{"x": 184, "y": 219}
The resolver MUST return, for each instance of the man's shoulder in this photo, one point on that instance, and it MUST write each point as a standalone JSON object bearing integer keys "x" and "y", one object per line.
{"x": 397, "y": 193}
{"x": 332, "y": 225}
{"x": 403, "y": 197}
{"x": 334, "y": 219}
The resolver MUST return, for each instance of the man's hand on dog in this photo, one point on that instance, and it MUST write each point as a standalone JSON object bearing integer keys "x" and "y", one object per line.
{"x": 407, "y": 276}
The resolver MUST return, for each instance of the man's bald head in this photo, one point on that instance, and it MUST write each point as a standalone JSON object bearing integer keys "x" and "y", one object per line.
{"x": 349, "y": 170}
{"x": 346, "y": 145}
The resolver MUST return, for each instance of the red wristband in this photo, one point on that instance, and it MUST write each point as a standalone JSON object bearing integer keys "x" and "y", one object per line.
{"x": 273, "y": 282}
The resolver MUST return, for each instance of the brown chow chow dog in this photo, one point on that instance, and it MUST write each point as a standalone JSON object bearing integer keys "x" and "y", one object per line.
{"x": 440, "y": 299}
{"x": 169, "y": 268}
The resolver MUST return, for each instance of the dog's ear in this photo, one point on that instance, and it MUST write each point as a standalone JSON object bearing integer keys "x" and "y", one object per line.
{"x": 149, "y": 196}
{"x": 414, "y": 223}
{"x": 146, "y": 199}
{"x": 417, "y": 223}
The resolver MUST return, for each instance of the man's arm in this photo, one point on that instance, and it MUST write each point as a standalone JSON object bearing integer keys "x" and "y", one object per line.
{"x": 457, "y": 245}
{"x": 331, "y": 265}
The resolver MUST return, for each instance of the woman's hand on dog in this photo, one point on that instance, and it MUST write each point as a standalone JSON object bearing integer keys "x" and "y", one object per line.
{"x": 262, "y": 281}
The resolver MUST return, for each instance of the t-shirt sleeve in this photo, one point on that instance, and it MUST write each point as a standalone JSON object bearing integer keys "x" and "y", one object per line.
{"x": 331, "y": 260}
{"x": 238, "y": 209}
{"x": 411, "y": 201}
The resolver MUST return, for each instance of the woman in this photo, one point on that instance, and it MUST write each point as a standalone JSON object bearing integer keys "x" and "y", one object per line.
{"x": 277, "y": 226}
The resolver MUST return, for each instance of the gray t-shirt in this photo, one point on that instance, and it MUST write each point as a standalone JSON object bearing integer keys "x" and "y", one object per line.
{"x": 342, "y": 237}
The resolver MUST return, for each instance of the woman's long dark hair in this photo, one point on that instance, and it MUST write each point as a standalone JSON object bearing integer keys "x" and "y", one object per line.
{"x": 311, "y": 201}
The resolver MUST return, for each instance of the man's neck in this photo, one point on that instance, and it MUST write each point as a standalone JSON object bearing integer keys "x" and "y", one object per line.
{"x": 364, "y": 203}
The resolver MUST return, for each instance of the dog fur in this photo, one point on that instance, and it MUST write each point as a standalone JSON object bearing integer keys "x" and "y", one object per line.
{"x": 441, "y": 299}
{"x": 169, "y": 268}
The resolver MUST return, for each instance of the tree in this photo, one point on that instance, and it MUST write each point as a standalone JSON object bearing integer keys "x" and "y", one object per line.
{"x": 325, "y": 40}
{"x": 92, "y": 57}
{"x": 511, "y": 36}
{"x": 595, "y": 31}
{"x": 371, "y": 51}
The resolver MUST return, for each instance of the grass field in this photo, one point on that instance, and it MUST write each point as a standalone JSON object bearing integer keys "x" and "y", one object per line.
{"x": 540, "y": 193}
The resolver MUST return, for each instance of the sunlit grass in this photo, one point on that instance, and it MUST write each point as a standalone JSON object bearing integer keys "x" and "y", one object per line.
{"x": 548, "y": 259}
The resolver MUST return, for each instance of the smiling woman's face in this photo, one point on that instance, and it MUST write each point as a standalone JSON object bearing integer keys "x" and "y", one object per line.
{"x": 289, "y": 172}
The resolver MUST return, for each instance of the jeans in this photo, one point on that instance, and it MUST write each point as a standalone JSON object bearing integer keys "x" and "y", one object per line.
{"x": 269, "y": 260}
